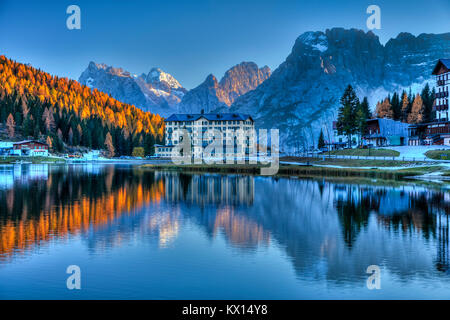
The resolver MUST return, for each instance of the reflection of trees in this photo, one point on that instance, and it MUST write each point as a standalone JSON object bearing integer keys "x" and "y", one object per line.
{"x": 69, "y": 202}
{"x": 353, "y": 216}
{"x": 442, "y": 258}
{"x": 306, "y": 218}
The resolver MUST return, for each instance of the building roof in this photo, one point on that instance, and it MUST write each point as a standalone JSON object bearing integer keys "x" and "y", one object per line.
{"x": 28, "y": 141}
{"x": 441, "y": 63}
{"x": 209, "y": 116}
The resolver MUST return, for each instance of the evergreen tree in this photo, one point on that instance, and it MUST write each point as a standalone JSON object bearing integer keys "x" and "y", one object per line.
{"x": 321, "y": 142}
{"x": 28, "y": 126}
{"x": 365, "y": 108}
{"x": 360, "y": 121}
{"x": 346, "y": 114}
{"x": 427, "y": 98}
{"x": 396, "y": 106}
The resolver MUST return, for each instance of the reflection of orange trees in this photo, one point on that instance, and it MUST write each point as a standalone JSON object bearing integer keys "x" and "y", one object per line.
{"x": 59, "y": 221}
{"x": 239, "y": 229}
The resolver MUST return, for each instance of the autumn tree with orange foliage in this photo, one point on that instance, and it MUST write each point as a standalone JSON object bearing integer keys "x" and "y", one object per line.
{"x": 84, "y": 117}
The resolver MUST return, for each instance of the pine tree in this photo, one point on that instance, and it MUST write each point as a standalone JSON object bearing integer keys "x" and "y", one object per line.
{"x": 28, "y": 126}
{"x": 109, "y": 145}
{"x": 396, "y": 106}
{"x": 360, "y": 121}
{"x": 427, "y": 98}
{"x": 365, "y": 108}
{"x": 346, "y": 114}
{"x": 10, "y": 126}
{"x": 70, "y": 139}
{"x": 321, "y": 142}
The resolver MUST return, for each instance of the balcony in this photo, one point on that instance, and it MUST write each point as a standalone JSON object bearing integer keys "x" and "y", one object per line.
{"x": 440, "y": 95}
{"x": 440, "y": 82}
{"x": 441, "y": 107}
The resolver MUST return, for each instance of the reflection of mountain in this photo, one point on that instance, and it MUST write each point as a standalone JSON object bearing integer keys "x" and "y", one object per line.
{"x": 328, "y": 230}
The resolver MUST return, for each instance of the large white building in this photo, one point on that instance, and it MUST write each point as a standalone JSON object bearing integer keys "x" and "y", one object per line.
{"x": 235, "y": 130}
{"x": 442, "y": 74}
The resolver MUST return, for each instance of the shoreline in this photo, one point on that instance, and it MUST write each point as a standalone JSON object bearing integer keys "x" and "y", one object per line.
{"x": 314, "y": 171}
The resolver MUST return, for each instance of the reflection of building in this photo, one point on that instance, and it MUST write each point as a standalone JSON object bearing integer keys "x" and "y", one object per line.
{"x": 209, "y": 189}
{"x": 200, "y": 129}
{"x": 6, "y": 148}
{"x": 24, "y": 174}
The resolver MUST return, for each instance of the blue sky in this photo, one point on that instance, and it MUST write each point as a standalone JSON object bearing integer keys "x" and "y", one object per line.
{"x": 191, "y": 39}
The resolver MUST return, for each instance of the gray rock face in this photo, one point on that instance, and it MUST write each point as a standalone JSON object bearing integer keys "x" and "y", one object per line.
{"x": 157, "y": 91}
{"x": 302, "y": 95}
{"x": 213, "y": 95}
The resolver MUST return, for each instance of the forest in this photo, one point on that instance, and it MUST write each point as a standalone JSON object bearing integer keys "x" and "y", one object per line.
{"x": 63, "y": 113}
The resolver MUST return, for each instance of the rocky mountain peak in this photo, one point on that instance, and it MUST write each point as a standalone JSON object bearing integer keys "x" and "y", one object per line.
{"x": 302, "y": 95}
{"x": 157, "y": 91}
{"x": 156, "y": 76}
{"x": 213, "y": 95}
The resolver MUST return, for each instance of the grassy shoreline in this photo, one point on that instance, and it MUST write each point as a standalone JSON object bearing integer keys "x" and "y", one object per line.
{"x": 300, "y": 170}
{"x": 34, "y": 160}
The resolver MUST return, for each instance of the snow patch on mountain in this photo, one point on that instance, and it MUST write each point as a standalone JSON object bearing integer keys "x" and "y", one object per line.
{"x": 157, "y": 91}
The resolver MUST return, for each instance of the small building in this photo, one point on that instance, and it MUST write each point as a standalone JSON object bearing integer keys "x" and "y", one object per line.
{"x": 340, "y": 141}
{"x": 386, "y": 132}
{"x": 92, "y": 155}
{"x": 30, "y": 148}
{"x": 6, "y": 148}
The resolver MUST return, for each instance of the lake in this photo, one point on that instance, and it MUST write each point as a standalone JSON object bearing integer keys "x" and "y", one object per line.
{"x": 140, "y": 234}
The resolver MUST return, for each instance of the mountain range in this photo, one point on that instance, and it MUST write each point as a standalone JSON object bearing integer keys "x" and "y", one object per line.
{"x": 161, "y": 93}
{"x": 301, "y": 96}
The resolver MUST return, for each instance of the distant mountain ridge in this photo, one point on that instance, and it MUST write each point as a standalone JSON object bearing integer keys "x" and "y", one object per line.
{"x": 161, "y": 93}
{"x": 302, "y": 95}
{"x": 212, "y": 95}
{"x": 157, "y": 91}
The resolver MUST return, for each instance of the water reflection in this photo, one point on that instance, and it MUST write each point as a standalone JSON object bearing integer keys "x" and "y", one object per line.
{"x": 329, "y": 231}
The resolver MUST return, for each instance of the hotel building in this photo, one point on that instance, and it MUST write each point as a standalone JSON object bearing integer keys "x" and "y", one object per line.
{"x": 436, "y": 132}
{"x": 236, "y": 130}
{"x": 442, "y": 73}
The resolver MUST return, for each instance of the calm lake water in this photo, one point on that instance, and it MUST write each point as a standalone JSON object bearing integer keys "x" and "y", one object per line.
{"x": 139, "y": 234}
